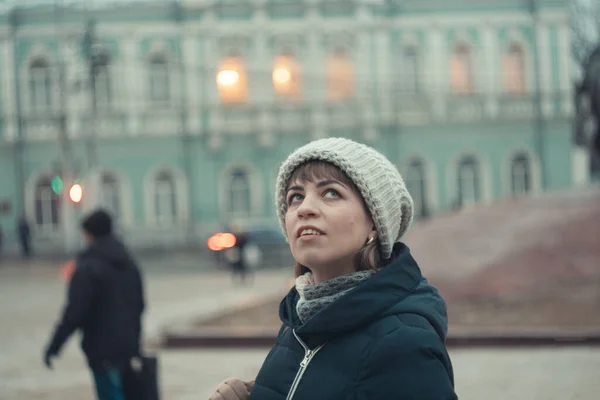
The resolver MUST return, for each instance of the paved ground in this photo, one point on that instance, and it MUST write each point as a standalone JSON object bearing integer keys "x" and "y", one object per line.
{"x": 31, "y": 297}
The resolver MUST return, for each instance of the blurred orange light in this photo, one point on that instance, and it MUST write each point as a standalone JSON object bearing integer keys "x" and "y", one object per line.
{"x": 227, "y": 240}
{"x": 214, "y": 243}
{"x": 76, "y": 193}
{"x": 221, "y": 241}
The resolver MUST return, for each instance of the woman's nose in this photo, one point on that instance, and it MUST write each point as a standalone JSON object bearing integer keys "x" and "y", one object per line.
{"x": 308, "y": 207}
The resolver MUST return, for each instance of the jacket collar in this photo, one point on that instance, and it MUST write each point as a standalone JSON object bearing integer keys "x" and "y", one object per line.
{"x": 362, "y": 305}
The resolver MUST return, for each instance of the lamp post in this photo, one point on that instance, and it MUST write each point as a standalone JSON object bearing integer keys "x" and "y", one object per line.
{"x": 539, "y": 124}
{"x": 67, "y": 211}
{"x": 19, "y": 142}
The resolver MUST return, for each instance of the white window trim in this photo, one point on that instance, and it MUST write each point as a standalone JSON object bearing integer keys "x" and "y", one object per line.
{"x": 431, "y": 180}
{"x": 181, "y": 197}
{"x": 513, "y": 36}
{"x": 535, "y": 173}
{"x": 485, "y": 177}
{"x": 463, "y": 37}
{"x": 125, "y": 194}
{"x": 30, "y": 206}
{"x": 160, "y": 48}
{"x": 352, "y": 58}
{"x": 39, "y": 53}
{"x": 408, "y": 41}
{"x": 256, "y": 191}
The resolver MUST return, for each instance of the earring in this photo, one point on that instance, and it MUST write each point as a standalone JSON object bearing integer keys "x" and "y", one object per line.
{"x": 370, "y": 240}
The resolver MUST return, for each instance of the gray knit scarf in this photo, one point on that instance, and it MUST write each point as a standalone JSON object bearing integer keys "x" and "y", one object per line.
{"x": 315, "y": 297}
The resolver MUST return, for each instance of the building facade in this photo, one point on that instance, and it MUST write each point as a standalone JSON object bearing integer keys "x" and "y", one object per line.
{"x": 176, "y": 115}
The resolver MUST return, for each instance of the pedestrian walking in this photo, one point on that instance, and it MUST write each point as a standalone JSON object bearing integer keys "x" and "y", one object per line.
{"x": 24, "y": 234}
{"x": 1, "y": 240}
{"x": 105, "y": 303}
{"x": 236, "y": 256}
{"x": 361, "y": 322}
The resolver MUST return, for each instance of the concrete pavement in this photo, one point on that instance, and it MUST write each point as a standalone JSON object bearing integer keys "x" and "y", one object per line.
{"x": 32, "y": 296}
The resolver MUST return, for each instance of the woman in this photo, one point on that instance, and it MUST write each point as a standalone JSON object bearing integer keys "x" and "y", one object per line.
{"x": 361, "y": 322}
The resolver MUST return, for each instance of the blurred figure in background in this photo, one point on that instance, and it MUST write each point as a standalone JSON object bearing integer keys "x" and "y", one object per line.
{"x": 105, "y": 302}
{"x": 24, "y": 233}
{"x": 235, "y": 255}
{"x": 1, "y": 240}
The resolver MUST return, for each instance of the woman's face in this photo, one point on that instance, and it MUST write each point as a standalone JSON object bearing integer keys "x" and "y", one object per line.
{"x": 326, "y": 224}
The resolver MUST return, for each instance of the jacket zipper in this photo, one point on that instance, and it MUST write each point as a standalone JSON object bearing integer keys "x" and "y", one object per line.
{"x": 308, "y": 355}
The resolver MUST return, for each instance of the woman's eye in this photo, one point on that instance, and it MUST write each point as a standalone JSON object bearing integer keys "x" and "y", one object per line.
{"x": 331, "y": 193}
{"x": 294, "y": 197}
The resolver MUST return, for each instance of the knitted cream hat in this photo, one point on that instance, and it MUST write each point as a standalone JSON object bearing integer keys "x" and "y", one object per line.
{"x": 378, "y": 181}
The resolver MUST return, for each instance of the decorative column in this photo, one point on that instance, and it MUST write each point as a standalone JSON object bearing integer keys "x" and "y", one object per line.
{"x": 211, "y": 101}
{"x": 9, "y": 100}
{"x": 383, "y": 73}
{"x": 261, "y": 87}
{"x": 490, "y": 74}
{"x": 75, "y": 103}
{"x": 192, "y": 86}
{"x": 438, "y": 71}
{"x": 135, "y": 99}
{"x": 315, "y": 74}
{"x": 566, "y": 88}
{"x": 543, "y": 54}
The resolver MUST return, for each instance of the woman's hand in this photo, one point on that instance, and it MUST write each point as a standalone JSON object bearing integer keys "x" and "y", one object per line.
{"x": 232, "y": 389}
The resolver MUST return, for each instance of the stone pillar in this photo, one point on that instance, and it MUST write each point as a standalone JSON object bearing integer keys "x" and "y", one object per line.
{"x": 9, "y": 100}
{"x": 191, "y": 81}
{"x": 545, "y": 78}
{"x": 135, "y": 92}
{"x": 490, "y": 74}
{"x": 437, "y": 61}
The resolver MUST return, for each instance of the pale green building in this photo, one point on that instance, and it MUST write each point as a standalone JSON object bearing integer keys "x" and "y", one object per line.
{"x": 195, "y": 103}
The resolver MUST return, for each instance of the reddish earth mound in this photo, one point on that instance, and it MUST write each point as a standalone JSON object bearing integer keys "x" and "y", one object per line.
{"x": 519, "y": 264}
{"x": 512, "y": 245}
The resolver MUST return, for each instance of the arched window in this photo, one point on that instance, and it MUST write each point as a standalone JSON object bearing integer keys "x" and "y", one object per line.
{"x": 239, "y": 193}
{"x": 102, "y": 82}
{"x": 340, "y": 76}
{"x": 232, "y": 81}
{"x": 165, "y": 198}
{"x": 520, "y": 173}
{"x": 40, "y": 85}
{"x": 461, "y": 69}
{"x": 47, "y": 205}
{"x": 416, "y": 185}
{"x": 410, "y": 66}
{"x": 513, "y": 69}
{"x": 287, "y": 77}
{"x": 159, "y": 79}
{"x": 111, "y": 194}
{"x": 469, "y": 186}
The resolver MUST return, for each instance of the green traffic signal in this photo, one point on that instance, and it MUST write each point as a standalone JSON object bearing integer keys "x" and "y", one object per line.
{"x": 57, "y": 185}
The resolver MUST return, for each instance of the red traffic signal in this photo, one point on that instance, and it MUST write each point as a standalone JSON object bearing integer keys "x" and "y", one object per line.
{"x": 76, "y": 193}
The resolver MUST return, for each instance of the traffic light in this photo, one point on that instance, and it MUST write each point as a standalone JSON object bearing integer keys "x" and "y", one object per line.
{"x": 76, "y": 193}
{"x": 57, "y": 185}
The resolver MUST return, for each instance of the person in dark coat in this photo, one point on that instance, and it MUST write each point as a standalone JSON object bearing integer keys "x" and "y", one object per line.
{"x": 239, "y": 267}
{"x": 24, "y": 233}
{"x": 361, "y": 322}
{"x": 1, "y": 240}
{"x": 105, "y": 303}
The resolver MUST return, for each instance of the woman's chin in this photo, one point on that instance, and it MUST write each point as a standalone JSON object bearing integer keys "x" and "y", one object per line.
{"x": 311, "y": 261}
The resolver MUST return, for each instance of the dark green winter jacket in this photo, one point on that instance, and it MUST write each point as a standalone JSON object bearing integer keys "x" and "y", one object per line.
{"x": 382, "y": 340}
